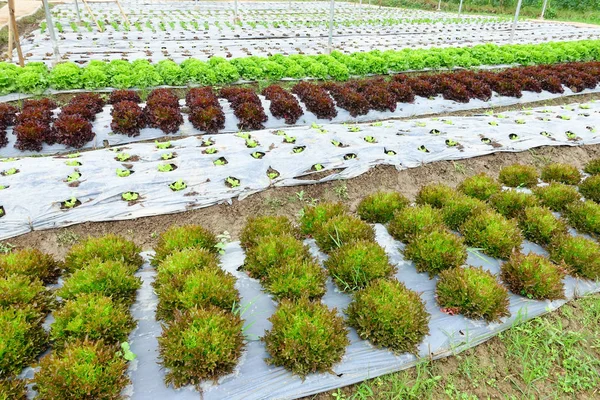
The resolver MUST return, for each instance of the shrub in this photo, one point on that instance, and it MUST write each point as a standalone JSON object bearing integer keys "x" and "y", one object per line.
{"x": 459, "y": 208}
{"x": 73, "y": 130}
{"x": 22, "y": 338}
{"x": 32, "y": 263}
{"x": 493, "y": 233}
{"x": 210, "y": 119}
{"x": 199, "y": 345}
{"x": 534, "y": 276}
{"x": 20, "y": 291}
{"x": 167, "y": 119}
{"x": 592, "y": 167}
{"x": 106, "y": 248}
{"x": 562, "y": 173}
{"x": 83, "y": 370}
{"x": 511, "y": 203}
{"x": 94, "y": 317}
{"x": 435, "y": 194}
{"x": 297, "y": 278}
{"x": 306, "y": 337}
{"x": 584, "y": 216}
{"x": 410, "y": 221}
{"x": 582, "y": 255}
{"x": 116, "y": 96}
{"x": 480, "y": 186}
{"x": 539, "y": 225}
{"x": 354, "y": 265}
{"x": 184, "y": 261}
{"x": 436, "y": 251}
{"x": 273, "y": 251}
{"x": 259, "y": 227}
{"x": 590, "y": 188}
{"x": 208, "y": 286}
{"x": 341, "y": 230}
{"x": 389, "y": 315}
{"x": 380, "y": 207}
{"x": 127, "y": 118}
{"x": 518, "y": 175}
{"x": 556, "y": 196}
{"x": 183, "y": 237}
{"x": 473, "y": 292}
{"x": 109, "y": 278}
{"x": 314, "y": 216}
{"x": 12, "y": 389}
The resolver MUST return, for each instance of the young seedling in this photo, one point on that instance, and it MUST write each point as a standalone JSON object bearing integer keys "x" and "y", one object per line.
{"x": 73, "y": 176}
{"x": 390, "y": 152}
{"x": 435, "y": 132}
{"x": 130, "y": 196}
{"x": 354, "y": 128}
{"x": 420, "y": 124}
{"x": 520, "y": 121}
{"x": 126, "y": 352}
{"x": 167, "y": 156}
{"x": 350, "y": 156}
{"x": 370, "y": 139}
{"x": 257, "y": 155}
{"x": 232, "y": 182}
{"x": 220, "y": 161}
{"x": 493, "y": 123}
{"x": 10, "y": 171}
{"x": 178, "y": 185}
{"x": 571, "y": 135}
{"x": 513, "y": 136}
{"x": 451, "y": 143}
{"x": 74, "y": 155}
{"x": 162, "y": 145}
{"x": 70, "y": 203}
{"x": 165, "y": 167}
{"x": 73, "y": 163}
{"x": 317, "y": 167}
{"x": 423, "y": 149}
{"x": 243, "y": 135}
{"x": 122, "y": 157}
{"x": 377, "y": 124}
{"x": 209, "y": 142}
{"x": 223, "y": 239}
{"x": 251, "y": 143}
{"x": 336, "y": 143}
{"x": 299, "y": 149}
{"x": 211, "y": 150}
{"x": 123, "y": 172}
{"x": 289, "y": 139}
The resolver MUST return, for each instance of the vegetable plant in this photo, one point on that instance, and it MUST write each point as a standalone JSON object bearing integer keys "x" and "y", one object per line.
{"x": 410, "y": 221}
{"x": 436, "y": 251}
{"x": 518, "y": 175}
{"x": 534, "y": 276}
{"x": 494, "y": 234}
{"x": 340, "y": 230}
{"x": 379, "y": 207}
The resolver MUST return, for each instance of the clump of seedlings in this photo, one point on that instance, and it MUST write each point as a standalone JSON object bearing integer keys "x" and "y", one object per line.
{"x": 459, "y": 208}
{"x": 592, "y": 167}
{"x": 259, "y": 227}
{"x": 582, "y": 255}
{"x": 411, "y": 221}
{"x": 297, "y": 278}
{"x": 183, "y": 237}
{"x": 271, "y": 252}
{"x": 562, "y": 173}
{"x": 556, "y": 196}
{"x": 20, "y": 291}
{"x": 389, "y": 315}
{"x": 590, "y": 188}
{"x": 480, "y": 186}
{"x": 534, "y": 276}
{"x": 341, "y": 230}
{"x": 106, "y": 248}
{"x": 306, "y": 337}
{"x": 494, "y": 234}
{"x": 31, "y": 263}
{"x": 584, "y": 216}
{"x": 353, "y": 266}
{"x": 435, "y": 194}
{"x": 472, "y": 292}
{"x": 436, "y": 251}
{"x": 539, "y": 225}
{"x": 511, "y": 203}
{"x": 380, "y": 207}
{"x": 314, "y": 216}
{"x": 518, "y": 175}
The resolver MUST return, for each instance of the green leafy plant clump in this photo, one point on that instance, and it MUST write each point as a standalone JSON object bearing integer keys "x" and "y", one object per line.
{"x": 473, "y": 292}
{"x": 183, "y": 237}
{"x": 580, "y": 254}
{"x": 354, "y": 265}
{"x": 389, "y": 315}
{"x": 592, "y": 167}
{"x": 518, "y": 175}
{"x": 297, "y": 278}
{"x": 341, "y": 230}
{"x": 106, "y": 248}
{"x": 259, "y": 227}
{"x": 200, "y": 344}
{"x": 23, "y": 292}
{"x": 435, "y": 195}
{"x": 584, "y": 216}
{"x": 480, "y": 186}
{"x": 410, "y": 221}
{"x": 460, "y": 208}
{"x": 186, "y": 261}
{"x": 32, "y": 263}
{"x": 272, "y": 252}
{"x": 306, "y": 337}
{"x": 590, "y": 188}
{"x": 84, "y": 369}
{"x": 562, "y": 173}
{"x": 556, "y": 196}
{"x": 13, "y": 389}
{"x": 539, "y": 225}
{"x": 534, "y": 276}
{"x": 380, "y": 207}
{"x": 494, "y": 234}
{"x": 314, "y": 216}
{"x": 511, "y": 203}
{"x": 436, "y": 251}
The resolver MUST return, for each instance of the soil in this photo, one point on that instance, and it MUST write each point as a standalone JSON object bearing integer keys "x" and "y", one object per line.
{"x": 289, "y": 201}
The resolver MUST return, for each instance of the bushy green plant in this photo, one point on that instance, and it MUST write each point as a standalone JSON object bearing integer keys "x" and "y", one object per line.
{"x": 109, "y": 278}
{"x": 539, "y": 225}
{"x": 435, "y": 194}
{"x": 22, "y": 338}
{"x": 314, "y": 216}
{"x": 518, "y": 175}
{"x": 494, "y": 234}
{"x": 297, "y": 278}
{"x": 354, "y": 265}
{"x": 12, "y": 389}
{"x": 200, "y": 344}
{"x": 562, "y": 173}
{"x": 459, "y": 208}
{"x": 94, "y": 317}
{"x": 106, "y": 248}
{"x": 32, "y": 263}
{"x": 183, "y": 237}
{"x": 590, "y": 188}
{"x": 473, "y": 292}
{"x": 480, "y": 186}
{"x": 556, "y": 196}
{"x": 306, "y": 337}
{"x": 534, "y": 276}
{"x": 582, "y": 255}
{"x": 389, "y": 315}
{"x": 342, "y": 230}
{"x": 511, "y": 203}
{"x": 273, "y": 251}
{"x": 83, "y": 370}
{"x": 259, "y": 227}
{"x": 380, "y": 207}
{"x": 201, "y": 288}
{"x": 592, "y": 167}
{"x": 436, "y": 251}
{"x": 184, "y": 261}
{"x": 584, "y": 216}
{"x": 413, "y": 220}
{"x": 20, "y": 291}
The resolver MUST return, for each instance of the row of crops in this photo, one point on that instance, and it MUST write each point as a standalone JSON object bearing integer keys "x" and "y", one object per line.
{"x": 91, "y": 322}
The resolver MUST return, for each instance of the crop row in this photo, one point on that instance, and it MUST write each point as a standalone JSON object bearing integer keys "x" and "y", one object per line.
{"x": 36, "y": 78}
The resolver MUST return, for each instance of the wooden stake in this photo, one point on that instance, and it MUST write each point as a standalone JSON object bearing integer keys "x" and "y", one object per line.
{"x": 123, "y": 12}
{"x": 15, "y": 31}
{"x": 89, "y": 10}
{"x": 10, "y": 40}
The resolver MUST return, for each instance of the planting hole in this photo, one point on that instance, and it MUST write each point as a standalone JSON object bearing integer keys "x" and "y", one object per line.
{"x": 350, "y": 156}
{"x": 220, "y": 161}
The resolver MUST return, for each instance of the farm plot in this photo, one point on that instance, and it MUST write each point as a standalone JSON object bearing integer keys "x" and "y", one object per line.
{"x": 177, "y": 31}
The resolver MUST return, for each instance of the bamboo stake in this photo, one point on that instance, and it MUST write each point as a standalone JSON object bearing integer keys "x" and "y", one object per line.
{"x": 89, "y": 10}
{"x": 10, "y": 41}
{"x": 123, "y": 12}
{"x": 15, "y": 31}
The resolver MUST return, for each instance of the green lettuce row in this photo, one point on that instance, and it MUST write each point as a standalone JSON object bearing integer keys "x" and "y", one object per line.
{"x": 35, "y": 77}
